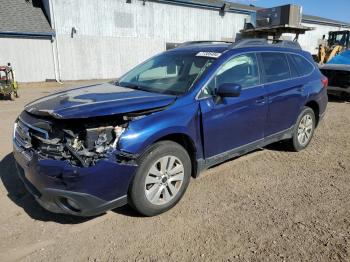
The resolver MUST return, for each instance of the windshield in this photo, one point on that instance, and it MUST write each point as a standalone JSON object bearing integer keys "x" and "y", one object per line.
{"x": 169, "y": 73}
{"x": 338, "y": 38}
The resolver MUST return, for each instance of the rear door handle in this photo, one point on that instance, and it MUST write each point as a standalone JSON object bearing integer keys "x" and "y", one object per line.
{"x": 260, "y": 100}
{"x": 300, "y": 88}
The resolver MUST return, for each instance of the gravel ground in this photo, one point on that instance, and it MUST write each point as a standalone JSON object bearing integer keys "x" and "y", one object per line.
{"x": 270, "y": 205}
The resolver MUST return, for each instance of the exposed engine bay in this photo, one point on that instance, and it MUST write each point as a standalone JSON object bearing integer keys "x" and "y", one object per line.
{"x": 82, "y": 143}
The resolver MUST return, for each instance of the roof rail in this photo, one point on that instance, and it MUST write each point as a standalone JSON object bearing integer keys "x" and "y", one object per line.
{"x": 288, "y": 44}
{"x": 261, "y": 42}
{"x": 249, "y": 42}
{"x": 202, "y": 42}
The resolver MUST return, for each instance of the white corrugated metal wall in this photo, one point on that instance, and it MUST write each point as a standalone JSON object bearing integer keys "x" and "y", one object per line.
{"x": 309, "y": 41}
{"x": 113, "y": 36}
{"x": 31, "y": 58}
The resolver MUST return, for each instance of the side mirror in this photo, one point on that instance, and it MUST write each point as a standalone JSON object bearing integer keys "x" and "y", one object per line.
{"x": 229, "y": 90}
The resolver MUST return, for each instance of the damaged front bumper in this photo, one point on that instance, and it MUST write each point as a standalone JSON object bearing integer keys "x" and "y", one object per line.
{"x": 61, "y": 187}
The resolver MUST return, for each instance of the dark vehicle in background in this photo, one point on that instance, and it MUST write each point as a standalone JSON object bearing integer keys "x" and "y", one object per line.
{"x": 334, "y": 57}
{"x": 338, "y": 76}
{"x": 138, "y": 141}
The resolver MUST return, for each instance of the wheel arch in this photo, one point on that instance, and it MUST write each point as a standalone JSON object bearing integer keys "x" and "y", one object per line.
{"x": 316, "y": 108}
{"x": 186, "y": 142}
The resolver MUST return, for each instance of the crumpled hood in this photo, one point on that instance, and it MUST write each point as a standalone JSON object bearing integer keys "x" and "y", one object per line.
{"x": 97, "y": 100}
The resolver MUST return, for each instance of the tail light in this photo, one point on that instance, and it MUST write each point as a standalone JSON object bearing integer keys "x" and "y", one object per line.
{"x": 324, "y": 81}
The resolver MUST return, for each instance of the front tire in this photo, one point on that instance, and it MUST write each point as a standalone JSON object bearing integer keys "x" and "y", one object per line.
{"x": 161, "y": 179}
{"x": 304, "y": 129}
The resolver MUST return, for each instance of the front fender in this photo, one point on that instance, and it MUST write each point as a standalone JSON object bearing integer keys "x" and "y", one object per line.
{"x": 177, "y": 119}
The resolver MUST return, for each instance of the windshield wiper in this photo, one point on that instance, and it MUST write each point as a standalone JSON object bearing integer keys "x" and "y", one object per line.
{"x": 135, "y": 86}
{"x": 146, "y": 89}
{"x": 129, "y": 85}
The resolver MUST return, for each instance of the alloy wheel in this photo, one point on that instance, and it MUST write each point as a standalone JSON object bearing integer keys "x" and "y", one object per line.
{"x": 305, "y": 129}
{"x": 164, "y": 180}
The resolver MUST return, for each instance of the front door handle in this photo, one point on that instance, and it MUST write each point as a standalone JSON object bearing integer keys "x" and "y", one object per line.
{"x": 260, "y": 100}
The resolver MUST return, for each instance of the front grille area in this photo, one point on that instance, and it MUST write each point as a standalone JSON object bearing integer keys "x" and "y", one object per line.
{"x": 34, "y": 134}
{"x": 79, "y": 143}
{"x": 26, "y": 134}
{"x": 22, "y": 135}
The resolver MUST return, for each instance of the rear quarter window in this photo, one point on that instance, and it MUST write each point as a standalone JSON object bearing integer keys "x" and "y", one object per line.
{"x": 293, "y": 66}
{"x": 275, "y": 66}
{"x": 301, "y": 64}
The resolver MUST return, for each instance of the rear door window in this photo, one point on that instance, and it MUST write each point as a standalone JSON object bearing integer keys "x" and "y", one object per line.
{"x": 303, "y": 66}
{"x": 275, "y": 66}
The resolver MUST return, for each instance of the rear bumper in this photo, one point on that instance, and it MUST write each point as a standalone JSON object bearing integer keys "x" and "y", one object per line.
{"x": 335, "y": 90}
{"x": 322, "y": 102}
{"x": 61, "y": 188}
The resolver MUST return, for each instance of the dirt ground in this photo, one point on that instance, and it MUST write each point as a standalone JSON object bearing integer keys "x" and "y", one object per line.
{"x": 270, "y": 205}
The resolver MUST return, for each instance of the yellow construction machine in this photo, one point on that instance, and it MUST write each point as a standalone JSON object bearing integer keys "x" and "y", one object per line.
{"x": 338, "y": 41}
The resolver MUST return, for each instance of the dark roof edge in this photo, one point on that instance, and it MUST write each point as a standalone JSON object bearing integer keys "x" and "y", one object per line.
{"x": 29, "y": 34}
{"x": 247, "y": 9}
{"x": 204, "y": 6}
{"x": 323, "y": 21}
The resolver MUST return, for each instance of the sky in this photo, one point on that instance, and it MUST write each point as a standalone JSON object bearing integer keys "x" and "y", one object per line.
{"x": 335, "y": 9}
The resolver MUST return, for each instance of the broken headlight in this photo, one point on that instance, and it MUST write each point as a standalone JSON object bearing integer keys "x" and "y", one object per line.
{"x": 102, "y": 139}
{"x": 97, "y": 143}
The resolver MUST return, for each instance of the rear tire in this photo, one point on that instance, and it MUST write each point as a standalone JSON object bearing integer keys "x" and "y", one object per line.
{"x": 347, "y": 97}
{"x": 161, "y": 179}
{"x": 303, "y": 130}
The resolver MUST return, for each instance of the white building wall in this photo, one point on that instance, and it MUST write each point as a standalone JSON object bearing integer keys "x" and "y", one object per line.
{"x": 310, "y": 40}
{"x": 113, "y": 36}
{"x": 31, "y": 58}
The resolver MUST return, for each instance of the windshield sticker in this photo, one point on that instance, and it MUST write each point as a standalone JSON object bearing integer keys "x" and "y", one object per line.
{"x": 209, "y": 54}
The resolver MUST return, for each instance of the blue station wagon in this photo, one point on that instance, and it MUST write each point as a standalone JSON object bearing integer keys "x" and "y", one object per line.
{"x": 139, "y": 140}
